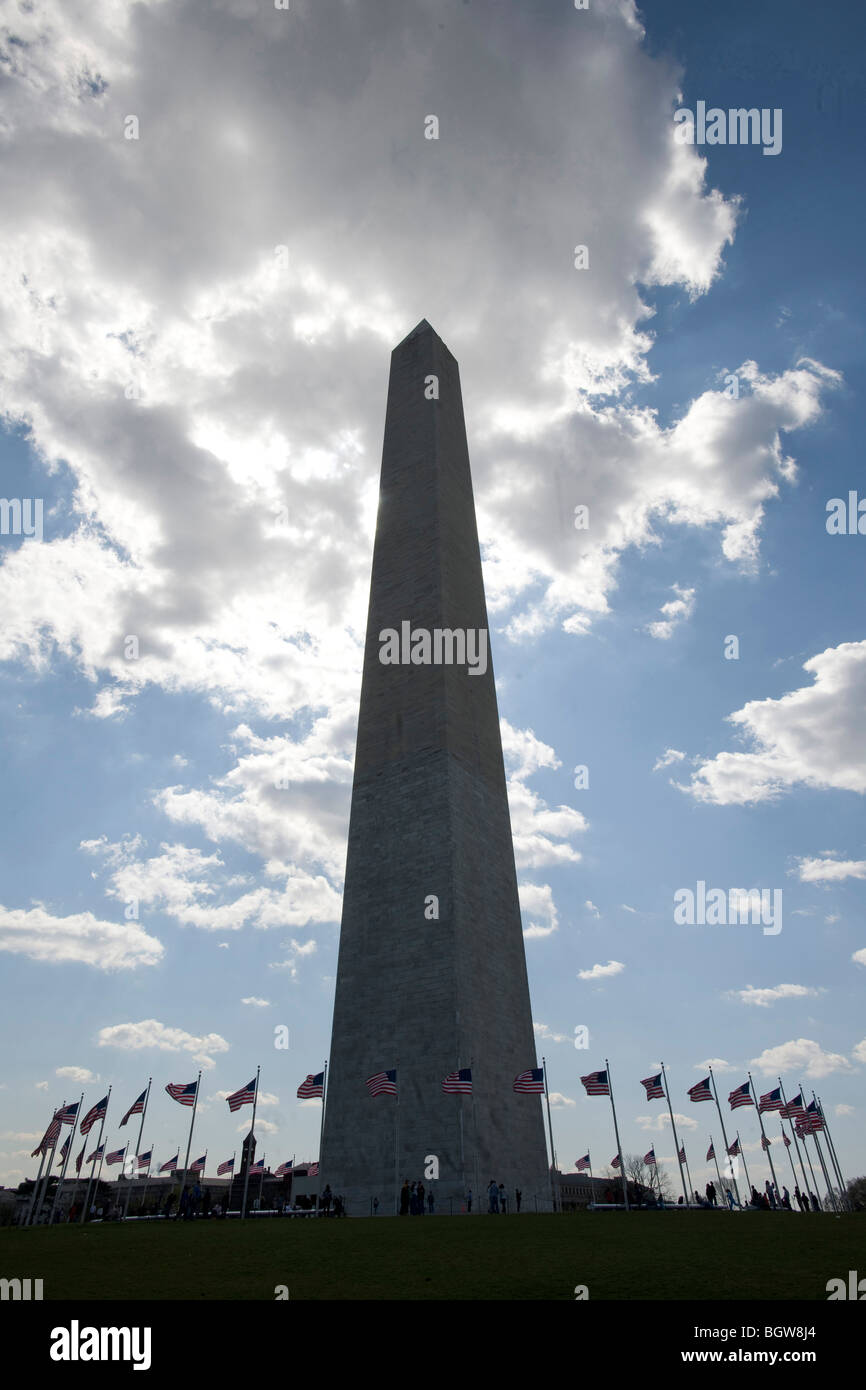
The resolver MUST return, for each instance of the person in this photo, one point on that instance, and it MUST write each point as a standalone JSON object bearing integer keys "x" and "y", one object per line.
{"x": 196, "y": 1198}
{"x": 338, "y": 1207}
{"x": 502, "y": 1199}
{"x": 771, "y": 1196}
{"x": 430, "y": 1201}
{"x": 799, "y": 1197}
{"x": 404, "y": 1197}
{"x": 413, "y": 1199}
{"x": 517, "y": 1196}
{"x": 711, "y": 1193}
{"x": 169, "y": 1203}
{"x": 730, "y": 1196}
{"x": 217, "y": 1210}
{"x": 493, "y": 1196}
{"x": 327, "y": 1196}
{"x": 786, "y": 1199}
{"x": 608, "y": 1196}
{"x": 816, "y": 1205}
{"x": 420, "y": 1194}
{"x": 469, "y": 1200}
{"x": 376, "y": 1205}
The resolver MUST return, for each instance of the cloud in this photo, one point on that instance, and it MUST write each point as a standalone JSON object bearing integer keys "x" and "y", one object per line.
{"x": 536, "y": 901}
{"x": 765, "y": 997}
{"x": 41, "y": 1085}
{"x": 829, "y": 869}
{"x": 674, "y": 612}
{"x": 256, "y": 1003}
{"x": 670, "y": 755}
{"x": 860, "y": 956}
{"x": 625, "y": 907}
{"x": 133, "y": 1037}
{"x": 80, "y": 937}
{"x": 524, "y": 754}
{"x": 591, "y": 908}
{"x": 717, "y": 1063}
{"x": 599, "y": 972}
{"x": 559, "y": 1102}
{"x": 814, "y": 736}
{"x": 843, "y": 1110}
{"x": 859, "y": 1053}
{"x": 662, "y": 1121}
{"x": 801, "y": 1056}
{"x": 542, "y": 1031}
{"x": 82, "y": 1074}
{"x": 295, "y": 951}
{"x": 264, "y": 1126}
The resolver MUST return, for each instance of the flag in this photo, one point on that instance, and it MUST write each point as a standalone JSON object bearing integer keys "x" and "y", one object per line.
{"x": 734, "y": 1149}
{"x": 313, "y": 1170}
{"x": 614, "y": 1162}
{"x": 786, "y": 1139}
{"x": 815, "y": 1116}
{"x": 283, "y": 1170}
{"x": 143, "y": 1160}
{"x": 741, "y": 1096}
{"x": 682, "y": 1154}
{"x": 771, "y": 1100}
{"x": 701, "y": 1091}
{"x": 258, "y": 1166}
{"x": 97, "y": 1153}
{"x": 653, "y": 1086}
{"x": 79, "y": 1160}
{"x": 582, "y": 1164}
{"x": 529, "y": 1083}
{"x": 458, "y": 1083}
{"x": 137, "y": 1108}
{"x": 711, "y": 1153}
{"x": 65, "y": 1150}
{"x": 227, "y": 1167}
{"x": 794, "y": 1109}
{"x": 67, "y": 1115}
{"x": 96, "y": 1113}
{"x": 650, "y": 1157}
{"x": 245, "y": 1096}
{"x": 49, "y": 1138}
{"x": 116, "y": 1157}
{"x": 184, "y": 1094}
{"x": 198, "y": 1166}
{"x": 596, "y": 1083}
{"x": 171, "y": 1166}
{"x": 313, "y": 1086}
{"x": 384, "y": 1083}
{"x": 801, "y": 1128}
{"x": 765, "y": 1143}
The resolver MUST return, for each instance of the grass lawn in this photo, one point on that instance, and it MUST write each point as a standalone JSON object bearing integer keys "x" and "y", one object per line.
{"x": 618, "y": 1255}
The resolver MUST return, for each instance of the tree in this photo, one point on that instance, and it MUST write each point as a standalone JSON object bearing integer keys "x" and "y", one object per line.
{"x": 856, "y": 1192}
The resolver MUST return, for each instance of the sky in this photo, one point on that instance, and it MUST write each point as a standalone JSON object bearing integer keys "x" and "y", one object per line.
{"x": 218, "y": 221}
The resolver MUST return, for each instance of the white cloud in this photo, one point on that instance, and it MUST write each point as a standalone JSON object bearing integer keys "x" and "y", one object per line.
{"x": 815, "y": 736}
{"x": 801, "y": 1056}
{"x": 670, "y": 755}
{"x": 295, "y": 951}
{"x": 80, "y": 937}
{"x": 536, "y": 901}
{"x": 600, "y": 972}
{"x": 674, "y": 612}
{"x": 765, "y": 997}
{"x": 543, "y": 1032}
{"x": 591, "y": 908}
{"x": 718, "y": 1064}
{"x": 830, "y": 869}
{"x": 859, "y": 1053}
{"x": 657, "y": 1123}
{"x": 843, "y": 1110}
{"x": 133, "y": 1037}
{"x": 256, "y": 1003}
{"x": 41, "y": 1085}
{"x": 559, "y": 1102}
{"x": 860, "y": 956}
{"x": 263, "y": 1126}
{"x": 82, "y": 1074}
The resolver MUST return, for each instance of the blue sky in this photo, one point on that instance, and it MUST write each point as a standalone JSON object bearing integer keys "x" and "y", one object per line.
{"x": 154, "y": 263}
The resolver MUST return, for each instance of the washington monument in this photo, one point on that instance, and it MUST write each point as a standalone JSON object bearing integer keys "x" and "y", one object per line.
{"x": 431, "y": 977}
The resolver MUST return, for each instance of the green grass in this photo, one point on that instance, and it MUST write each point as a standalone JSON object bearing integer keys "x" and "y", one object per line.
{"x": 637, "y": 1255}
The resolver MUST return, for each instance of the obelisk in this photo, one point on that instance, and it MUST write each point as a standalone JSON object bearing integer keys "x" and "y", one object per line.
{"x": 431, "y": 976}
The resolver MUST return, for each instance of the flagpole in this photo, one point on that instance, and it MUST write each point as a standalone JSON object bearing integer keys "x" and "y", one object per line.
{"x": 831, "y": 1146}
{"x": 189, "y": 1140}
{"x": 674, "y": 1128}
{"x": 616, "y": 1132}
{"x": 823, "y": 1164}
{"x": 718, "y": 1174}
{"x": 689, "y": 1177}
{"x": 138, "y": 1145}
{"x": 763, "y": 1136}
{"x": 86, "y": 1208}
{"x": 796, "y": 1144}
{"x": 44, "y": 1190}
{"x": 62, "y": 1177}
{"x": 37, "y": 1182}
{"x": 830, "y": 1188}
{"x": 724, "y": 1138}
{"x": 808, "y": 1160}
{"x": 788, "y": 1150}
{"x": 146, "y": 1181}
{"x": 743, "y": 1157}
{"x": 253, "y": 1138}
{"x": 324, "y": 1102}
{"x": 262, "y": 1183}
{"x": 553, "y": 1184}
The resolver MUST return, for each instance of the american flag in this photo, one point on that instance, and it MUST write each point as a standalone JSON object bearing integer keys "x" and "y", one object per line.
{"x": 198, "y": 1166}
{"x": 458, "y": 1083}
{"x": 654, "y": 1087}
{"x": 137, "y": 1108}
{"x": 171, "y": 1166}
{"x": 65, "y": 1150}
{"x": 182, "y": 1092}
{"x": 313, "y": 1170}
{"x": 116, "y": 1157}
{"x": 529, "y": 1083}
{"x": 67, "y": 1115}
{"x": 582, "y": 1164}
{"x": 771, "y": 1100}
{"x": 701, "y": 1091}
{"x": 49, "y": 1138}
{"x": 794, "y": 1109}
{"x": 734, "y": 1149}
{"x": 765, "y": 1143}
{"x": 258, "y": 1166}
{"x": 682, "y": 1153}
{"x": 802, "y": 1128}
{"x": 283, "y": 1169}
{"x": 786, "y": 1139}
{"x": 711, "y": 1153}
{"x": 814, "y": 1113}
{"x": 650, "y": 1157}
{"x": 245, "y": 1096}
{"x": 312, "y": 1087}
{"x": 809, "y": 1123}
{"x": 97, "y": 1153}
{"x": 96, "y": 1113}
{"x": 741, "y": 1096}
{"x": 595, "y": 1084}
{"x": 79, "y": 1160}
{"x": 384, "y": 1083}
{"x": 614, "y": 1162}
{"x": 226, "y": 1167}
{"x": 143, "y": 1160}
